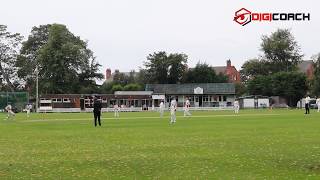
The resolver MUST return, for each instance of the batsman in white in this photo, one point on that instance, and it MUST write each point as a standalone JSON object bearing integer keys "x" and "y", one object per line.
{"x": 161, "y": 108}
{"x": 173, "y": 108}
{"x": 187, "y": 108}
{"x": 236, "y": 106}
{"x": 10, "y": 114}
{"x": 318, "y": 103}
{"x": 116, "y": 110}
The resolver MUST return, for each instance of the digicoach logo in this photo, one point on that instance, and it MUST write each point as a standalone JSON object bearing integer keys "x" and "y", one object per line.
{"x": 243, "y": 16}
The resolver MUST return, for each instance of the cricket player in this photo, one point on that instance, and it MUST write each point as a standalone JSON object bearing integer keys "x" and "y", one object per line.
{"x": 307, "y": 106}
{"x": 116, "y": 110}
{"x": 318, "y": 103}
{"x": 173, "y": 108}
{"x": 161, "y": 108}
{"x": 187, "y": 108}
{"x": 236, "y": 106}
{"x": 10, "y": 114}
{"x": 28, "y": 109}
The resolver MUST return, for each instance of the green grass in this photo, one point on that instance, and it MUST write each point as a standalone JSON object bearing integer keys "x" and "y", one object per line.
{"x": 256, "y": 144}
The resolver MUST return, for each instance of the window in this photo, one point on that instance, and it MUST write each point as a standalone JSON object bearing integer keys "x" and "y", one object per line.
{"x": 104, "y": 100}
{"x": 205, "y": 98}
{"x": 219, "y": 98}
{"x": 56, "y": 100}
{"x": 66, "y": 100}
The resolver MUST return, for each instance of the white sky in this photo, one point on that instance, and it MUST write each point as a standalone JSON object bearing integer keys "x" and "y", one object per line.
{"x": 123, "y": 32}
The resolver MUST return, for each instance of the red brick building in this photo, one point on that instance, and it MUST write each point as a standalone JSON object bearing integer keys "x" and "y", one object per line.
{"x": 230, "y": 71}
{"x": 307, "y": 68}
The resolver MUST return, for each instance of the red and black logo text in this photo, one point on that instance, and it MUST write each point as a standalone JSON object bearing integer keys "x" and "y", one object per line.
{"x": 244, "y": 16}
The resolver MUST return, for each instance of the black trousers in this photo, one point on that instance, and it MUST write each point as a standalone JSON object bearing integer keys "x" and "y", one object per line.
{"x": 307, "y": 109}
{"x": 97, "y": 117}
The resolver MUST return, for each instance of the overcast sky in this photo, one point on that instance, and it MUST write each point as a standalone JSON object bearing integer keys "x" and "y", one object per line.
{"x": 123, "y": 32}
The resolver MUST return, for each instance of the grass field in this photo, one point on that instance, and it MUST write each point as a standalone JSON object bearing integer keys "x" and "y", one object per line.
{"x": 256, "y": 144}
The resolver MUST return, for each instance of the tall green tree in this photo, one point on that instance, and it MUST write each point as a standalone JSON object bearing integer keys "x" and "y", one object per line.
{"x": 163, "y": 68}
{"x": 27, "y": 59}
{"x": 203, "y": 73}
{"x": 177, "y": 67}
{"x": 281, "y": 50}
{"x": 9, "y": 49}
{"x": 65, "y": 63}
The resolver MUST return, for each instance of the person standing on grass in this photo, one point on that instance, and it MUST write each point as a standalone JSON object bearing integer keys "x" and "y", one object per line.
{"x": 116, "y": 110}
{"x": 236, "y": 106}
{"x": 173, "y": 108}
{"x": 161, "y": 108}
{"x": 28, "y": 109}
{"x": 187, "y": 108}
{"x": 307, "y": 105}
{"x": 10, "y": 114}
{"x": 97, "y": 111}
{"x": 318, "y": 103}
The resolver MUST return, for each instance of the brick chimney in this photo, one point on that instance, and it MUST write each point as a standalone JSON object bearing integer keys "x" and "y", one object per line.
{"x": 229, "y": 63}
{"x": 108, "y": 73}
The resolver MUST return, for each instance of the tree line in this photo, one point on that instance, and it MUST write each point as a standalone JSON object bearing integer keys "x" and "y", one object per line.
{"x": 64, "y": 64}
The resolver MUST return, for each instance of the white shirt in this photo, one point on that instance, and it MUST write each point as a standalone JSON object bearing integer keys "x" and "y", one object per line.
{"x": 307, "y": 100}
{"x": 8, "y": 108}
{"x": 236, "y": 103}
{"x": 318, "y": 101}
{"x": 187, "y": 103}
{"x": 29, "y": 107}
{"x": 173, "y": 104}
{"x": 161, "y": 105}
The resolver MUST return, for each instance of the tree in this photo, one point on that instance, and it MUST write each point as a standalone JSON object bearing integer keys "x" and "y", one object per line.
{"x": 281, "y": 51}
{"x": 65, "y": 63}
{"x": 203, "y": 73}
{"x": 157, "y": 67}
{"x": 9, "y": 47}
{"x": 260, "y": 85}
{"x": 290, "y": 85}
{"x": 106, "y": 87}
{"x": 315, "y": 87}
{"x": 143, "y": 77}
{"x": 241, "y": 89}
{"x": 27, "y": 59}
{"x": 132, "y": 87}
{"x": 163, "y": 68}
{"x": 117, "y": 87}
{"x": 253, "y": 68}
{"x": 177, "y": 67}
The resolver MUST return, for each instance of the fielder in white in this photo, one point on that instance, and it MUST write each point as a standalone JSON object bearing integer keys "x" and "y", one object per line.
{"x": 116, "y": 110}
{"x": 187, "y": 108}
{"x": 10, "y": 114}
{"x": 236, "y": 106}
{"x": 318, "y": 104}
{"x": 161, "y": 108}
{"x": 173, "y": 108}
{"x": 28, "y": 109}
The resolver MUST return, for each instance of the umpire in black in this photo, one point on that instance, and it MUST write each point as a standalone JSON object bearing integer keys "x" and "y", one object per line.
{"x": 97, "y": 111}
